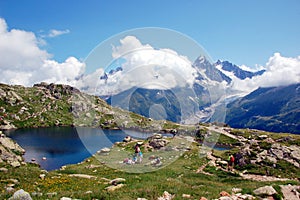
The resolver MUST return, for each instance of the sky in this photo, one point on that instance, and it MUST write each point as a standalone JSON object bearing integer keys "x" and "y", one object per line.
{"x": 59, "y": 35}
{"x": 244, "y": 32}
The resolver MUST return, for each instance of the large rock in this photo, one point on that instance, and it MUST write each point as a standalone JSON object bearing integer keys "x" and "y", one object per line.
{"x": 6, "y": 125}
{"x": 266, "y": 190}
{"x": 10, "y": 144}
{"x": 117, "y": 181}
{"x": 158, "y": 143}
{"x": 10, "y": 152}
{"x": 278, "y": 153}
{"x": 20, "y": 195}
{"x": 296, "y": 154}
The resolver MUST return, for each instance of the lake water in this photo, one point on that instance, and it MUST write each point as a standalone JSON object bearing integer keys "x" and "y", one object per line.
{"x": 66, "y": 145}
{"x": 69, "y": 145}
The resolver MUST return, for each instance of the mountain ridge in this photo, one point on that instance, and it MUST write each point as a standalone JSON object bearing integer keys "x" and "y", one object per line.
{"x": 274, "y": 109}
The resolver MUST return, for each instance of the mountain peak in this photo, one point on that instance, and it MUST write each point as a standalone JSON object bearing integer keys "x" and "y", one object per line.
{"x": 202, "y": 59}
{"x": 237, "y": 71}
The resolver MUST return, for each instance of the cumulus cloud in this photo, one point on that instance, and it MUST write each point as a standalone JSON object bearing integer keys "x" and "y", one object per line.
{"x": 128, "y": 44}
{"x": 24, "y": 62}
{"x": 19, "y": 49}
{"x": 146, "y": 67}
{"x": 280, "y": 71}
{"x": 55, "y": 33}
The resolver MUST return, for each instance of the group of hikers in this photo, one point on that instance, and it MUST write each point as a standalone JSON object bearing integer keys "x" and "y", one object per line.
{"x": 137, "y": 156}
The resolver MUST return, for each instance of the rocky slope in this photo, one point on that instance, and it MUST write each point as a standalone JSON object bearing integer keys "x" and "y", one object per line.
{"x": 45, "y": 105}
{"x": 10, "y": 152}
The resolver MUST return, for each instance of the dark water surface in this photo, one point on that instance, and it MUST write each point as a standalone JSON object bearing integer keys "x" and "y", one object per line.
{"x": 66, "y": 145}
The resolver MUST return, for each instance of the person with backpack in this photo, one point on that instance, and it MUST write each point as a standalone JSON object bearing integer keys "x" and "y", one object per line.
{"x": 230, "y": 162}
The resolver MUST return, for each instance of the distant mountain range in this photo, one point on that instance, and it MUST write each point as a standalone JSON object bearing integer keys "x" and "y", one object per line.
{"x": 272, "y": 109}
{"x": 275, "y": 109}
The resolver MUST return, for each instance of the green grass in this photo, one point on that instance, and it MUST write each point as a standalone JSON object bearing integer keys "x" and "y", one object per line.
{"x": 178, "y": 177}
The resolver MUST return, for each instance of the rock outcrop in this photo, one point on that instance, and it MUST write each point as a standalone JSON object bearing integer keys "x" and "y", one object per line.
{"x": 10, "y": 152}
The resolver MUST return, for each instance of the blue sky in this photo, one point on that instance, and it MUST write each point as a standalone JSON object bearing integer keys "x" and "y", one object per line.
{"x": 243, "y": 32}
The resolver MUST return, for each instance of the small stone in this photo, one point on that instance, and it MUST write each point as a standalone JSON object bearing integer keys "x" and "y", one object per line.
{"x": 224, "y": 193}
{"x": 203, "y": 198}
{"x": 9, "y": 189}
{"x": 51, "y": 194}
{"x": 127, "y": 139}
{"x": 114, "y": 187}
{"x": 246, "y": 197}
{"x": 65, "y": 198}
{"x": 89, "y": 192}
{"x": 166, "y": 196}
{"x": 3, "y": 169}
{"x": 157, "y": 136}
{"x": 188, "y": 196}
{"x": 36, "y": 194}
{"x": 263, "y": 136}
{"x": 15, "y": 181}
{"x": 225, "y": 198}
{"x": 15, "y": 164}
{"x": 42, "y": 176}
{"x": 11, "y": 185}
{"x": 236, "y": 190}
{"x": 105, "y": 150}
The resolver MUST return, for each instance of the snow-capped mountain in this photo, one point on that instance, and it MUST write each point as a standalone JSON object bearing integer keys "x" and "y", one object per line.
{"x": 202, "y": 64}
{"x": 205, "y": 101}
{"x": 236, "y": 70}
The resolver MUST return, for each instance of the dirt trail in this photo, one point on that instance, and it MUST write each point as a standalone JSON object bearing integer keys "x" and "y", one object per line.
{"x": 222, "y": 131}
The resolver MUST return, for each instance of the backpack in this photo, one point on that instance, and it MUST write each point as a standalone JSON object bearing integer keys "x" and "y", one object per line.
{"x": 232, "y": 159}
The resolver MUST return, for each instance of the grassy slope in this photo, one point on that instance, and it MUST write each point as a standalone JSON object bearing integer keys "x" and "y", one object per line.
{"x": 178, "y": 178}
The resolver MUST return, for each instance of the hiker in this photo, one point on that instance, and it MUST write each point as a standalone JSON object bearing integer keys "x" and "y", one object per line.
{"x": 141, "y": 156}
{"x": 230, "y": 163}
{"x": 137, "y": 151}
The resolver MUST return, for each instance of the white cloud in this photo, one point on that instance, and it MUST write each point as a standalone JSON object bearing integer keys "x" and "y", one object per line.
{"x": 24, "y": 62}
{"x": 19, "y": 49}
{"x": 280, "y": 71}
{"x": 128, "y": 44}
{"x": 55, "y": 33}
{"x": 252, "y": 69}
{"x": 147, "y": 67}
